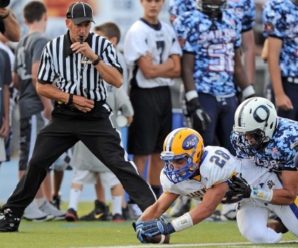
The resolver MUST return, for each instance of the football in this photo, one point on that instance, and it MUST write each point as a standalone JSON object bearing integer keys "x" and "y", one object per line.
{"x": 159, "y": 239}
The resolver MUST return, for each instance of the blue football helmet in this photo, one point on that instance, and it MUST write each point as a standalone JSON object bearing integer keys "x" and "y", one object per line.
{"x": 184, "y": 147}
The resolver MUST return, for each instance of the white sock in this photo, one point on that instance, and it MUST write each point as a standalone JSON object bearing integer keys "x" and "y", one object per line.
{"x": 116, "y": 205}
{"x": 74, "y": 198}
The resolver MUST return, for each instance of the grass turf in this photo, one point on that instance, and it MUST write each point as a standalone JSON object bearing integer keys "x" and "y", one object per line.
{"x": 63, "y": 234}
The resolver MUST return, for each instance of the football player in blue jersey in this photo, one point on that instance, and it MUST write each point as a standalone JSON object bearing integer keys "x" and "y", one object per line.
{"x": 245, "y": 12}
{"x": 272, "y": 142}
{"x": 281, "y": 28}
{"x": 211, "y": 65}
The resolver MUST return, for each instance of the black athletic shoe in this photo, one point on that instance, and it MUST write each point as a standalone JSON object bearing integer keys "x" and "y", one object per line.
{"x": 8, "y": 221}
{"x": 56, "y": 201}
{"x": 118, "y": 218}
{"x": 71, "y": 215}
{"x": 100, "y": 212}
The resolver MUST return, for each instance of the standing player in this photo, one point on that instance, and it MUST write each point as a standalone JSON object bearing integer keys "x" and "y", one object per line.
{"x": 208, "y": 174}
{"x": 244, "y": 10}
{"x": 153, "y": 54}
{"x": 281, "y": 21}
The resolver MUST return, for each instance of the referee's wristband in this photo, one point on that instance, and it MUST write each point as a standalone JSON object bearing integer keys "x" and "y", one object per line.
{"x": 96, "y": 61}
{"x": 70, "y": 99}
{"x": 189, "y": 95}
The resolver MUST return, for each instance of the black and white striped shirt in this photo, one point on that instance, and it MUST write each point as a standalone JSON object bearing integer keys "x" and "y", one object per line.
{"x": 72, "y": 72}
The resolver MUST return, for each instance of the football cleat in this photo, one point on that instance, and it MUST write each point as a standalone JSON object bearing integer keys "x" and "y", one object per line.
{"x": 8, "y": 221}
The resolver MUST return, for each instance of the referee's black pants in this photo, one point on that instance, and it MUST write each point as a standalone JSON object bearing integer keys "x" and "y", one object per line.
{"x": 100, "y": 137}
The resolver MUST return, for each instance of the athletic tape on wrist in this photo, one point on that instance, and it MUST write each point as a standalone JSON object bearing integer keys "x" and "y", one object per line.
{"x": 182, "y": 222}
{"x": 264, "y": 195}
{"x": 191, "y": 95}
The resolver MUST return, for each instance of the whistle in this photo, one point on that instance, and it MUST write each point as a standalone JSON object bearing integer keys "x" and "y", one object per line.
{"x": 81, "y": 39}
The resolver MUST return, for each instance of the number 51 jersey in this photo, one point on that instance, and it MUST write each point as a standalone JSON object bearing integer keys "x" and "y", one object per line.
{"x": 217, "y": 165}
{"x": 213, "y": 43}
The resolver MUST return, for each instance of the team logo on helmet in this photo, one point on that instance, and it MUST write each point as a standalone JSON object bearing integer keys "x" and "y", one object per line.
{"x": 190, "y": 142}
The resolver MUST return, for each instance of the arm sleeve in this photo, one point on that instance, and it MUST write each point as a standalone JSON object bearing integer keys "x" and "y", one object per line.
{"x": 135, "y": 45}
{"x": 249, "y": 16}
{"x": 39, "y": 45}
{"x": 109, "y": 55}
{"x": 273, "y": 20}
{"x": 46, "y": 73}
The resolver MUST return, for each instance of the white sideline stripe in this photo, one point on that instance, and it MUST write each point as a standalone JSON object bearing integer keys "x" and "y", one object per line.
{"x": 236, "y": 244}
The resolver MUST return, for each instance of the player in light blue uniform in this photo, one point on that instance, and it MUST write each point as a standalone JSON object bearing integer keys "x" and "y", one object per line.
{"x": 244, "y": 10}
{"x": 272, "y": 142}
{"x": 211, "y": 45}
{"x": 281, "y": 28}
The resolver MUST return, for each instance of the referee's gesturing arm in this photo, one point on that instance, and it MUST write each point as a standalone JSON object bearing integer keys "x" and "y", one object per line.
{"x": 107, "y": 72}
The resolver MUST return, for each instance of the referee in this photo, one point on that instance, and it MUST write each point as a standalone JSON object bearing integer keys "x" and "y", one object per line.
{"x": 72, "y": 72}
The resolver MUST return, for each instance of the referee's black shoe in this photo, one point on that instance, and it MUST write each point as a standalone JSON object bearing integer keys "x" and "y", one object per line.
{"x": 9, "y": 222}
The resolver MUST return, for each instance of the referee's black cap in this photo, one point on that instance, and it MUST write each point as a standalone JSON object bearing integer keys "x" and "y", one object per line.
{"x": 80, "y": 12}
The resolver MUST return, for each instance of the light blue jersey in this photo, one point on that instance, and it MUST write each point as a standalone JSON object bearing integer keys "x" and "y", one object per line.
{"x": 279, "y": 152}
{"x": 213, "y": 43}
{"x": 243, "y": 9}
{"x": 281, "y": 21}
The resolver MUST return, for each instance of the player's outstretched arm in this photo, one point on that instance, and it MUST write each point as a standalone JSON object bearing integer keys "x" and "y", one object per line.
{"x": 159, "y": 207}
{"x": 212, "y": 198}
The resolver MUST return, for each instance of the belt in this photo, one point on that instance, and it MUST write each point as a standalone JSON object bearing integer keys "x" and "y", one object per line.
{"x": 293, "y": 80}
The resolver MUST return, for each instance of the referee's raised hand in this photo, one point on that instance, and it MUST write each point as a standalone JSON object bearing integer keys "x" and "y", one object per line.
{"x": 84, "y": 49}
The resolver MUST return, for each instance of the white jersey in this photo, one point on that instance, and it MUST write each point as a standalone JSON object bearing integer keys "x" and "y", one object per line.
{"x": 218, "y": 165}
{"x": 159, "y": 41}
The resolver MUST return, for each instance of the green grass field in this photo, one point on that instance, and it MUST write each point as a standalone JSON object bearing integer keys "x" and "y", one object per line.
{"x": 60, "y": 234}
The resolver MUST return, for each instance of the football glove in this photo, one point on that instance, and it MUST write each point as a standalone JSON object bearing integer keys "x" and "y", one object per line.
{"x": 137, "y": 226}
{"x": 238, "y": 189}
{"x": 248, "y": 92}
{"x": 156, "y": 227}
{"x": 199, "y": 117}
